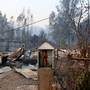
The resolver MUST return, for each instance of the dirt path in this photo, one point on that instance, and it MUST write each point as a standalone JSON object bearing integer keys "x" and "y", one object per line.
{"x": 45, "y": 76}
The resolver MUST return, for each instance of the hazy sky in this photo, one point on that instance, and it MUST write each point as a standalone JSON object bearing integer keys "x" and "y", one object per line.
{"x": 39, "y": 8}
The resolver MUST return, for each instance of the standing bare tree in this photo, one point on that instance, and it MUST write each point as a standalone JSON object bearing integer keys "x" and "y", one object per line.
{"x": 73, "y": 20}
{"x": 71, "y": 24}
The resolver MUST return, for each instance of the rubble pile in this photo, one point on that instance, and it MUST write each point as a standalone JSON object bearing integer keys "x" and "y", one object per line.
{"x": 15, "y": 75}
{"x": 18, "y": 79}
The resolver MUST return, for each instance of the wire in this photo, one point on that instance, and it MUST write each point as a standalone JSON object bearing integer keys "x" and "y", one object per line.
{"x": 28, "y": 24}
{"x": 4, "y": 40}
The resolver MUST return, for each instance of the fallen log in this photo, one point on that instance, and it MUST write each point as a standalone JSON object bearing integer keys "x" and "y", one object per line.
{"x": 71, "y": 57}
{"x": 79, "y": 59}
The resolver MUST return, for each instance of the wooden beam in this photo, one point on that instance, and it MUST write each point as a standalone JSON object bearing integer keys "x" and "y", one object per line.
{"x": 80, "y": 59}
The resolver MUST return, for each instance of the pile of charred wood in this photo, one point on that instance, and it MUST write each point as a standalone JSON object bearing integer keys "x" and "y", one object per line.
{"x": 17, "y": 59}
